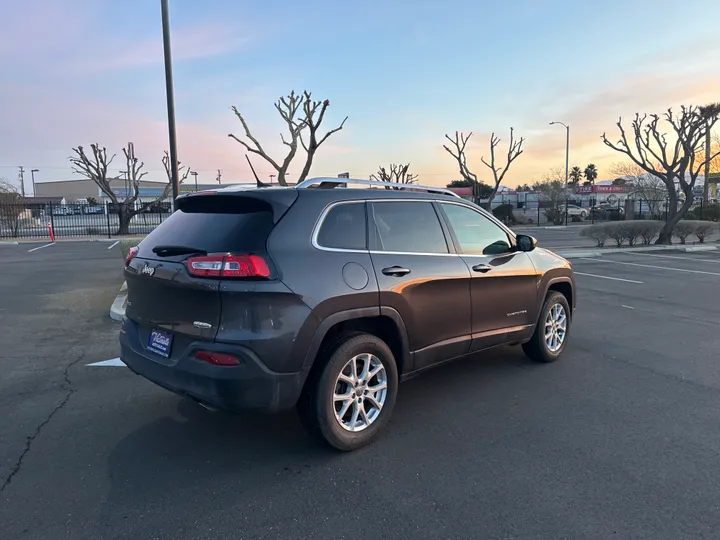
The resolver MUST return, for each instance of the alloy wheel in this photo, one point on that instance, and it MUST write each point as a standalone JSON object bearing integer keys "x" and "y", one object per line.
{"x": 360, "y": 392}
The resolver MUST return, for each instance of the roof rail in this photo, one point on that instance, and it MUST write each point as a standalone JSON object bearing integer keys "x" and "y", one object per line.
{"x": 331, "y": 182}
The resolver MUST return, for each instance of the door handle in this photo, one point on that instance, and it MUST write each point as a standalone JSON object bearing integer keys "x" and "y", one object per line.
{"x": 395, "y": 271}
{"x": 481, "y": 268}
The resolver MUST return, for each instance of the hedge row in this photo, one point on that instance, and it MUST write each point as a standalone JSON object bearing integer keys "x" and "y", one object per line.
{"x": 645, "y": 231}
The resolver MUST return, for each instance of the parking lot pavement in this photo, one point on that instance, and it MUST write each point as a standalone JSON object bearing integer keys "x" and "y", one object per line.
{"x": 618, "y": 439}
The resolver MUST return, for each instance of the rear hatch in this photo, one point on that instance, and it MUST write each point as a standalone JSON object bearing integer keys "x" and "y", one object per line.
{"x": 175, "y": 274}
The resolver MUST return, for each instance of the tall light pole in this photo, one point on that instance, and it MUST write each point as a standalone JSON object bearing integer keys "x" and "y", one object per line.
{"x": 194, "y": 173}
{"x": 567, "y": 163}
{"x": 32, "y": 173}
{"x": 170, "y": 99}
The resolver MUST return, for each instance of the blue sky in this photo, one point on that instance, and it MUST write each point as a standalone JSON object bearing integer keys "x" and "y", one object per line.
{"x": 406, "y": 73}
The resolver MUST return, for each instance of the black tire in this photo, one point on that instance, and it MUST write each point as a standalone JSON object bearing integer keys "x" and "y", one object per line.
{"x": 316, "y": 406}
{"x": 537, "y": 349}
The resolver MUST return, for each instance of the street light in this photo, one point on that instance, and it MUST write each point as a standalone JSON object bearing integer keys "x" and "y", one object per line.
{"x": 195, "y": 175}
{"x": 170, "y": 99}
{"x": 32, "y": 173}
{"x": 567, "y": 163}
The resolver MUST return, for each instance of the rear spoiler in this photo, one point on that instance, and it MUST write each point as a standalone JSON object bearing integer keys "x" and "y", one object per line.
{"x": 278, "y": 200}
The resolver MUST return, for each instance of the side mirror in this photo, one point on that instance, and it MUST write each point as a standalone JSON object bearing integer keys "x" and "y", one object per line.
{"x": 525, "y": 242}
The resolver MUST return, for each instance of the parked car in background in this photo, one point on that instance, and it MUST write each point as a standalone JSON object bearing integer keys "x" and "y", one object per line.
{"x": 576, "y": 211}
{"x": 326, "y": 298}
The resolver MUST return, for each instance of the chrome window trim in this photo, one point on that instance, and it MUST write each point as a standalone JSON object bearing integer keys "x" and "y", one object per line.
{"x": 321, "y": 220}
{"x": 330, "y": 206}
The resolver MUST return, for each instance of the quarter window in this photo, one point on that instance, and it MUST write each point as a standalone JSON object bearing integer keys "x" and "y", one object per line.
{"x": 344, "y": 227}
{"x": 409, "y": 227}
{"x": 475, "y": 234}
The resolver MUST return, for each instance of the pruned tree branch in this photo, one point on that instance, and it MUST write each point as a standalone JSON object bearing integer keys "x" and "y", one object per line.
{"x": 299, "y": 112}
{"x": 310, "y": 108}
{"x": 499, "y": 171}
{"x": 396, "y": 174}
{"x": 94, "y": 167}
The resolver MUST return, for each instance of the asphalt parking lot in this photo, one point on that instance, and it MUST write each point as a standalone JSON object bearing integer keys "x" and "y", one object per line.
{"x": 619, "y": 439}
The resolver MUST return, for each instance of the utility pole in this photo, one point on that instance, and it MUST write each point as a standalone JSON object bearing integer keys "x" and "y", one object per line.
{"x": 170, "y": 99}
{"x": 271, "y": 178}
{"x": 21, "y": 175}
{"x": 194, "y": 173}
{"x": 32, "y": 172}
{"x": 219, "y": 176}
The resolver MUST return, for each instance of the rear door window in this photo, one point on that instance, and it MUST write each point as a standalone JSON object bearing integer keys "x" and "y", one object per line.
{"x": 216, "y": 225}
{"x": 407, "y": 227}
{"x": 344, "y": 227}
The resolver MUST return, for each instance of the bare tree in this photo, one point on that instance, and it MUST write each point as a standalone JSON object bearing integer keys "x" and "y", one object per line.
{"x": 457, "y": 150}
{"x": 398, "y": 174}
{"x": 514, "y": 150}
{"x": 311, "y": 108}
{"x": 11, "y": 207}
{"x": 300, "y": 112}
{"x": 672, "y": 162}
{"x": 95, "y": 167}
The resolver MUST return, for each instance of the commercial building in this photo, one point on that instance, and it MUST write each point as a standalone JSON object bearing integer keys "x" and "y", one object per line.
{"x": 73, "y": 190}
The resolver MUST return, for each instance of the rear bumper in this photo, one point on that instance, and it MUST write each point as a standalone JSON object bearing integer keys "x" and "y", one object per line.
{"x": 251, "y": 385}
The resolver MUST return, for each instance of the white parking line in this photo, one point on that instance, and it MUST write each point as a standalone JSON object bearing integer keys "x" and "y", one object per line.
{"x": 716, "y": 261}
{"x": 652, "y": 266}
{"x": 115, "y": 244}
{"x": 608, "y": 277}
{"x": 113, "y": 362}
{"x": 40, "y": 247}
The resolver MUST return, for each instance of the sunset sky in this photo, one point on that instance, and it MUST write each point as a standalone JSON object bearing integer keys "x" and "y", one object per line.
{"x": 80, "y": 71}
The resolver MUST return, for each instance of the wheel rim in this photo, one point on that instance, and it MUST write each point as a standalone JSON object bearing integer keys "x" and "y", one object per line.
{"x": 555, "y": 328}
{"x": 360, "y": 392}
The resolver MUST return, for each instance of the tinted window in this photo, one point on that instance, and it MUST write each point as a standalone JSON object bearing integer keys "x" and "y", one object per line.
{"x": 476, "y": 234}
{"x": 225, "y": 225}
{"x": 344, "y": 227}
{"x": 411, "y": 227}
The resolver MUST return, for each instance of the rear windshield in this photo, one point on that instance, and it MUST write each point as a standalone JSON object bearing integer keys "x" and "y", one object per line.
{"x": 215, "y": 226}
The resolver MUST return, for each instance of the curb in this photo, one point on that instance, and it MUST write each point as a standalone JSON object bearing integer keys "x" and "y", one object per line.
{"x": 8, "y": 243}
{"x": 575, "y": 253}
{"x": 117, "y": 310}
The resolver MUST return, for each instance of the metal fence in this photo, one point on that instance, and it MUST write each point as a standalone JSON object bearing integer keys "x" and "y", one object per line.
{"x": 33, "y": 220}
{"x": 548, "y": 213}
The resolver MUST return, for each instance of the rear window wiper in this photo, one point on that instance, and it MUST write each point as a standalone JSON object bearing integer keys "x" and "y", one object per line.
{"x": 167, "y": 251}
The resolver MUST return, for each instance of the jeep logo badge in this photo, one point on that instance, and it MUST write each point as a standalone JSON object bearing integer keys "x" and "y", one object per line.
{"x": 147, "y": 270}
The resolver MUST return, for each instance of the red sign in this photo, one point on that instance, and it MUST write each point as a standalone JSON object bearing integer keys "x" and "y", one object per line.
{"x": 600, "y": 189}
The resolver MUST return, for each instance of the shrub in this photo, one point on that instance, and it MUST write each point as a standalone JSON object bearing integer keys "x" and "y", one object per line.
{"x": 598, "y": 232}
{"x": 618, "y": 231}
{"x": 504, "y": 213}
{"x": 632, "y": 231}
{"x": 683, "y": 229}
{"x": 648, "y": 230}
{"x": 92, "y": 231}
{"x": 703, "y": 229}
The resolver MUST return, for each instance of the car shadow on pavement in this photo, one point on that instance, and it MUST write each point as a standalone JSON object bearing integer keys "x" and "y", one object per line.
{"x": 198, "y": 453}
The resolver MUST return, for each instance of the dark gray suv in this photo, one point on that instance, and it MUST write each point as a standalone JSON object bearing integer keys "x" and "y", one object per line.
{"x": 326, "y": 298}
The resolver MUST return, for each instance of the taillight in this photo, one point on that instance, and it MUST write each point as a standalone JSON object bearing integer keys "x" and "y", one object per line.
{"x": 228, "y": 266}
{"x": 217, "y": 359}
{"x": 133, "y": 251}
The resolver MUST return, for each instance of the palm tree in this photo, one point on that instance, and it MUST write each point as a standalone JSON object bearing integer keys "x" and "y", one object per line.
{"x": 709, "y": 113}
{"x": 591, "y": 173}
{"x": 575, "y": 175}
